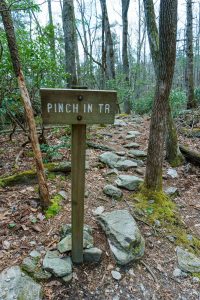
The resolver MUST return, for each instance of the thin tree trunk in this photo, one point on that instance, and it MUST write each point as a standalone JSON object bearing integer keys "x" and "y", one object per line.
{"x": 125, "y": 61}
{"x": 10, "y": 34}
{"x": 69, "y": 28}
{"x": 191, "y": 103}
{"x": 166, "y": 62}
{"x": 52, "y": 33}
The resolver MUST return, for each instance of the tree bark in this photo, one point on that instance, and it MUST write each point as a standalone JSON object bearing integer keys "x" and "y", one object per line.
{"x": 191, "y": 102}
{"x": 52, "y": 33}
{"x": 12, "y": 44}
{"x": 107, "y": 44}
{"x": 125, "y": 61}
{"x": 69, "y": 28}
{"x": 173, "y": 154}
{"x": 166, "y": 62}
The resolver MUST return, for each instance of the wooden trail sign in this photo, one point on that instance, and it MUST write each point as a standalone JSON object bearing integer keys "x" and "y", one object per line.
{"x": 78, "y": 107}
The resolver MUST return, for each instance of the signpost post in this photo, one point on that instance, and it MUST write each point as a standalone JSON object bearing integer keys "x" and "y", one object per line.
{"x": 78, "y": 108}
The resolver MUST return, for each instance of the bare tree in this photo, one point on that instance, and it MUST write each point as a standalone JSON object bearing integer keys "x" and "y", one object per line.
{"x": 12, "y": 44}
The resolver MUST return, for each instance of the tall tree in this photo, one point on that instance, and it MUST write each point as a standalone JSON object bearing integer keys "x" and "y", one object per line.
{"x": 165, "y": 68}
{"x": 69, "y": 28}
{"x": 108, "y": 59}
{"x": 52, "y": 33}
{"x": 191, "y": 102}
{"x": 12, "y": 44}
{"x": 173, "y": 154}
{"x": 125, "y": 61}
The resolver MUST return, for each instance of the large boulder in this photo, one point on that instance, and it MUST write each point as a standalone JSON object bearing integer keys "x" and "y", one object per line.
{"x": 125, "y": 165}
{"x": 187, "y": 261}
{"x": 128, "y": 182}
{"x": 124, "y": 237}
{"x": 15, "y": 284}
{"x": 109, "y": 158}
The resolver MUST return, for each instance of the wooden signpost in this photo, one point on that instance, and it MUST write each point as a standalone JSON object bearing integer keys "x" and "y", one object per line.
{"x": 78, "y": 107}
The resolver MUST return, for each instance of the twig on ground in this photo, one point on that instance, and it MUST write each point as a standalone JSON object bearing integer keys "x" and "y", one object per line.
{"x": 149, "y": 270}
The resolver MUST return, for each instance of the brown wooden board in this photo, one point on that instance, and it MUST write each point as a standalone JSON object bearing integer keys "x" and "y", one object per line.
{"x": 69, "y": 106}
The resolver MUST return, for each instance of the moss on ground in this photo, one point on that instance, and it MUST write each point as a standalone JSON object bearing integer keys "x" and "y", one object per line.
{"x": 159, "y": 206}
{"x": 54, "y": 207}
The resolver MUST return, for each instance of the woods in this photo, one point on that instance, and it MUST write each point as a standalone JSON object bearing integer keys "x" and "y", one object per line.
{"x": 99, "y": 155}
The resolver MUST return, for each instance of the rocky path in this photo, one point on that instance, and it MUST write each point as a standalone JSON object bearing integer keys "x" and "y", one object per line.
{"x": 115, "y": 166}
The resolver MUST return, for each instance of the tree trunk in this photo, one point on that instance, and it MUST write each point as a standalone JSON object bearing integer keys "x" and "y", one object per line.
{"x": 125, "y": 61}
{"x": 107, "y": 43}
{"x": 52, "y": 33}
{"x": 173, "y": 154}
{"x": 69, "y": 28}
{"x": 191, "y": 102}
{"x": 12, "y": 44}
{"x": 166, "y": 62}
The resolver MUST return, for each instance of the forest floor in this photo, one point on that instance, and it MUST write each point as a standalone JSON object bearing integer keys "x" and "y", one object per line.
{"x": 23, "y": 227}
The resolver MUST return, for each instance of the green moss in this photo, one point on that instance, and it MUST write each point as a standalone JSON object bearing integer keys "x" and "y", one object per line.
{"x": 156, "y": 205}
{"x": 51, "y": 176}
{"x": 196, "y": 275}
{"x": 55, "y": 207}
{"x": 178, "y": 161}
{"x": 17, "y": 178}
{"x": 29, "y": 154}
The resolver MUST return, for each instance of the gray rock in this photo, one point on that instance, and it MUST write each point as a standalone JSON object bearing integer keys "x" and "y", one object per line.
{"x": 67, "y": 278}
{"x": 109, "y": 158}
{"x": 130, "y": 137}
{"x": 187, "y": 261}
{"x": 172, "y": 173}
{"x": 112, "y": 191}
{"x": 116, "y": 275}
{"x": 100, "y": 147}
{"x": 31, "y": 266}
{"x": 179, "y": 273}
{"x": 67, "y": 228}
{"x": 125, "y": 165}
{"x": 120, "y": 123}
{"x": 15, "y": 284}
{"x": 124, "y": 237}
{"x": 66, "y": 244}
{"x": 63, "y": 194}
{"x": 99, "y": 210}
{"x": 132, "y": 145}
{"x": 138, "y": 153}
{"x": 134, "y": 132}
{"x": 112, "y": 172}
{"x": 129, "y": 182}
{"x": 120, "y": 153}
{"x": 35, "y": 255}
{"x": 172, "y": 191}
{"x": 60, "y": 267}
{"x": 92, "y": 255}
{"x": 195, "y": 279}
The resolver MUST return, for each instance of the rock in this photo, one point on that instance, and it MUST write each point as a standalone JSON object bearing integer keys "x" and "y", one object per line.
{"x": 132, "y": 145}
{"x": 124, "y": 237}
{"x": 125, "y": 165}
{"x": 6, "y": 245}
{"x": 112, "y": 172}
{"x": 67, "y": 228}
{"x": 195, "y": 279}
{"x": 100, "y": 147}
{"x": 112, "y": 191}
{"x": 172, "y": 173}
{"x": 99, "y": 210}
{"x": 129, "y": 182}
{"x": 35, "y": 255}
{"x": 134, "y": 132}
{"x": 30, "y": 265}
{"x": 130, "y": 137}
{"x": 187, "y": 261}
{"x": 172, "y": 191}
{"x": 139, "y": 162}
{"x": 109, "y": 158}
{"x": 66, "y": 244}
{"x": 120, "y": 153}
{"x": 178, "y": 273}
{"x": 60, "y": 267}
{"x": 15, "y": 284}
{"x": 116, "y": 275}
{"x": 67, "y": 278}
{"x": 92, "y": 255}
{"x": 138, "y": 153}
{"x": 63, "y": 194}
{"x": 120, "y": 123}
